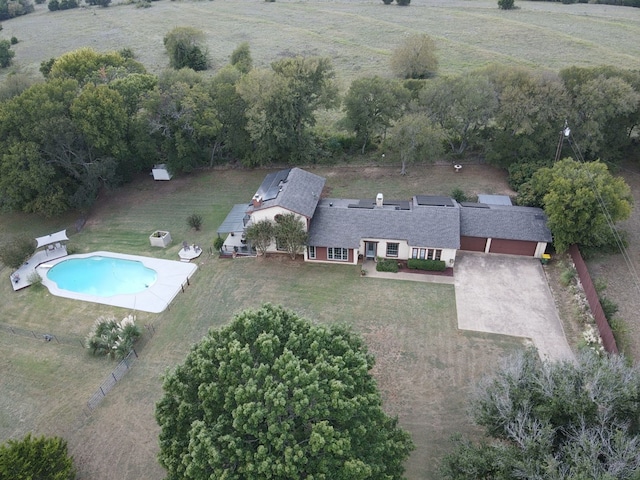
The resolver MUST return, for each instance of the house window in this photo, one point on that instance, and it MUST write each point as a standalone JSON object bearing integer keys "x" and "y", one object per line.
{"x": 434, "y": 254}
{"x": 280, "y": 245}
{"x": 414, "y": 253}
{"x": 311, "y": 252}
{"x": 423, "y": 251}
{"x": 392, "y": 249}
{"x": 341, "y": 254}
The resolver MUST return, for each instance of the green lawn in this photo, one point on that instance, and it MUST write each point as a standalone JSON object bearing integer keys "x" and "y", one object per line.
{"x": 425, "y": 366}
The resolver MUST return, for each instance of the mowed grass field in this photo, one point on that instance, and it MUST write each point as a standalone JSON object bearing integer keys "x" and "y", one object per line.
{"x": 358, "y": 35}
{"x": 425, "y": 366}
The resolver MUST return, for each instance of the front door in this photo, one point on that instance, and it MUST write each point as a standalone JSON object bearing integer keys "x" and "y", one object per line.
{"x": 370, "y": 249}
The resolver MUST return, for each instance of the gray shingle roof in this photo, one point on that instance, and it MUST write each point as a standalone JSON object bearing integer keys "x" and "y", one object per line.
{"x": 300, "y": 193}
{"x": 505, "y": 222}
{"x": 340, "y": 226}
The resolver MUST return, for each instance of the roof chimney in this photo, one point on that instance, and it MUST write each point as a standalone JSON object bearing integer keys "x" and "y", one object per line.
{"x": 256, "y": 201}
{"x": 379, "y": 200}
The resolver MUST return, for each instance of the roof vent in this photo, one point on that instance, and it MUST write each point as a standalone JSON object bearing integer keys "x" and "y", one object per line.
{"x": 379, "y": 200}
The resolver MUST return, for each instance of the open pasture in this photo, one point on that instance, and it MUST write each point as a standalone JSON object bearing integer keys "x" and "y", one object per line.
{"x": 359, "y": 36}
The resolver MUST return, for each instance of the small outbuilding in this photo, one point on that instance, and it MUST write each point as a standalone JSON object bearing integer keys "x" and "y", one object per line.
{"x": 160, "y": 172}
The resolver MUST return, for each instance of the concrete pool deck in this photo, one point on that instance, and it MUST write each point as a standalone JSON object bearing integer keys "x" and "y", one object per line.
{"x": 171, "y": 276}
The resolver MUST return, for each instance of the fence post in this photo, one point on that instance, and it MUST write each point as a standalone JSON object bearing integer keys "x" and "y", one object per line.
{"x": 114, "y": 377}
{"x": 103, "y": 394}
{"x": 34, "y": 335}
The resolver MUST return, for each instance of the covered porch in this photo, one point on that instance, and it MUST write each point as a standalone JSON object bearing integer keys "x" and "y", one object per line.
{"x": 233, "y": 226}
{"x": 49, "y": 247}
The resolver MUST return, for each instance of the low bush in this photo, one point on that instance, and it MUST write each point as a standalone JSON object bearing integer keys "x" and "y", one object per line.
{"x": 387, "y": 265}
{"x": 428, "y": 265}
{"x": 609, "y": 307}
{"x": 458, "y": 195}
{"x": 218, "y": 243}
{"x": 567, "y": 276}
{"x": 112, "y": 338}
{"x": 194, "y": 221}
{"x": 14, "y": 40}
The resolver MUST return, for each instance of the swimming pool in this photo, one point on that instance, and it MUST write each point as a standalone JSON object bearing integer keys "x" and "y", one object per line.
{"x": 102, "y": 276}
{"x": 150, "y": 286}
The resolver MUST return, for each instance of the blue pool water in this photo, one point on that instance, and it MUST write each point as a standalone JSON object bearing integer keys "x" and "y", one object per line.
{"x": 102, "y": 276}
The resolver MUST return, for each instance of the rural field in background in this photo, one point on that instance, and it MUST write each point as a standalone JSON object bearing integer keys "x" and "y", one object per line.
{"x": 425, "y": 365}
{"x": 358, "y": 35}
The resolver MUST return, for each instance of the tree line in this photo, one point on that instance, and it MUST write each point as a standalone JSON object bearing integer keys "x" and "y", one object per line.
{"x": 100, "y": 118}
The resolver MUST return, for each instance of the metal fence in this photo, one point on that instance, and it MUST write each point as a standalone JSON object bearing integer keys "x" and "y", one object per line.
{"x": 113, "y": 378}
{"x": 608, "y": 340}
{"x": 120, "y": 371}
{"x": 43, "y": 336}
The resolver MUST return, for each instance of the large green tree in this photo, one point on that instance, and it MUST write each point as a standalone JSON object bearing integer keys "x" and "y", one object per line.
{"x": 36, "y": 458}
{"x": 415, "y": 57}
{"x": 186, "y": 49}
{"x": 605, "y": 109}
{"x": 531, "y": 109}
{"x": 371, "y": 105}
{"x": 583, "y": 201}
{"x": 260, "y": 234}
{"x": 273, "y": 396}
{"x": 416, "y": 138}
{"x": 290, "y": 233}
{"x": 554, "y": 420}
{"x": 463, "y": 106}
{"x": 282, "y": 105}
{"x": 183, "y": 120}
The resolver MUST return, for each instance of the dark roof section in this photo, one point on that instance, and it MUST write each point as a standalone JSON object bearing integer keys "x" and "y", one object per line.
{"x": 272, "y": 184}
{"x": 434, "y": 201}
{"x": 505, "y": 222}
{"x": 495, "y": 199}
{"x": 336, "y": 225}
{"x": 298, "y": 191}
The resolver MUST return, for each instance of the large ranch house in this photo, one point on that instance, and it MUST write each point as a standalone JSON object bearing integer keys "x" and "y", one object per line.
{"x": 425, "y": 226}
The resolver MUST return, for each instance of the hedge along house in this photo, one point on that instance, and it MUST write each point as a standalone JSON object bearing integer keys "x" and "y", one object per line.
{"x": 425, "y": 227}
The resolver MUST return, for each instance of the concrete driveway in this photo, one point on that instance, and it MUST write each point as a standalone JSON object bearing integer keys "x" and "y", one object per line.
{"x": 509, "y": 295}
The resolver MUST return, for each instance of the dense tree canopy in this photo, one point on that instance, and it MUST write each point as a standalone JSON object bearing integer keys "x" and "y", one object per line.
{"x": 36, "y": 458}
{"x": 549, "y": 420}
{"x": 282, "y": 105}
{"x": 582, "y": 200}
{"x": 273, "y": 396}
{"x": 371, "y": 105}
{"x": 462, "y": 106}
{"x": 100, "y": 118}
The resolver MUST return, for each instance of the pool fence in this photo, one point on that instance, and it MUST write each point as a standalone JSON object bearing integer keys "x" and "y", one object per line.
{"x": 43, "y": 336}
{"x": 120, "y": 371}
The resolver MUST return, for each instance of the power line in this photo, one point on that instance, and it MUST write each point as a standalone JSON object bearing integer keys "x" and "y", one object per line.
{"x": 566, "y": 134}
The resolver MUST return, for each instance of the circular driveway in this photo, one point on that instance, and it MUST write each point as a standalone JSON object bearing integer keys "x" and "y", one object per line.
{"x": 509, "y": 295}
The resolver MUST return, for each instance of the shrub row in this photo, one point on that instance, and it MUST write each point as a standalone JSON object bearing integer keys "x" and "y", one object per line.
{"x": 430, "y": 265}
{"x": 387, "y": 265}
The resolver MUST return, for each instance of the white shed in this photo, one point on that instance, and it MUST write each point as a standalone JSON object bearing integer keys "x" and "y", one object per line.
{"x": 160, "y": 172}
